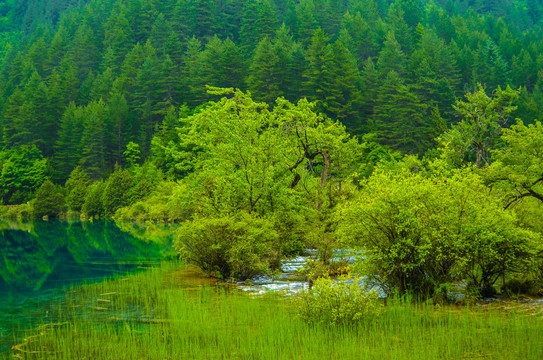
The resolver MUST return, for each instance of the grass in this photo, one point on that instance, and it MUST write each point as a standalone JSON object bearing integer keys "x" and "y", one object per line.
{"x": 174, "y": 313}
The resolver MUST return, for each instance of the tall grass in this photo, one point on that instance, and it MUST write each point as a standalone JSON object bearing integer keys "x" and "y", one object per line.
{"x": 169, "y": 313}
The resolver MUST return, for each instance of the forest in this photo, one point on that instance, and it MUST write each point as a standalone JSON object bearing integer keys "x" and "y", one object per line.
{"x": 405, "y": 128}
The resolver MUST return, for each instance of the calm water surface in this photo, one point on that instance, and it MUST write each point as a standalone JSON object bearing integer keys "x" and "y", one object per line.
{"x": 39, "y": 260}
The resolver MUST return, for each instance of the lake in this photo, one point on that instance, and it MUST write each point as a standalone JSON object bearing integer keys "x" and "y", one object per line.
{"x": 39, "y": 260}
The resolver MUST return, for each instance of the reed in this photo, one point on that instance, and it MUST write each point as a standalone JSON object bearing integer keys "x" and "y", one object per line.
{"x": 166, "y": 313}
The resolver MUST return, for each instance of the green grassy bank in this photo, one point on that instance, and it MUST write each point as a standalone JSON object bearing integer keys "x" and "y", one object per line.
{"x": 173, "y": 313}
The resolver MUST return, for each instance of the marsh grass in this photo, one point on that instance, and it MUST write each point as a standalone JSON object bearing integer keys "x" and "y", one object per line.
{"x": 167, "y": 313}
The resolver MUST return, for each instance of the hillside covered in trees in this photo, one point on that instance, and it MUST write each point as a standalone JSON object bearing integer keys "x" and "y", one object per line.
{"x": 405, "y": 129}
{"x": 80, "y": 80}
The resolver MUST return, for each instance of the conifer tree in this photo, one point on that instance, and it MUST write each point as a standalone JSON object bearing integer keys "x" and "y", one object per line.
{"x": 391, "y": 57}
{"x": 307, "y": 21}
{"x": 313, "y": 76}
{"x": 262, "y": 80}
{"x": 93, "y": 141}
{"x": 400, "y": 118}
{"x": 341, "y": 93}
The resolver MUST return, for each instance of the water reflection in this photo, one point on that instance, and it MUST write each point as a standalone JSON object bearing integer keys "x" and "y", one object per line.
{"x": 38, "y": 259}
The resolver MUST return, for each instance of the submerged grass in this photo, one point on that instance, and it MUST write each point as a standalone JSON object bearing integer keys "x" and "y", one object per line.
{"x": 168, "y": 313}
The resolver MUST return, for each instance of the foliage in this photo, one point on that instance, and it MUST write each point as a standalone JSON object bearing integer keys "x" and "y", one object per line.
{"x": 337, "y": 302}
{"x": 49, "y": 201}
{"x": 168, "y": 202}
{"x": 23, "y": 170}
{"x": 93, "y": 206}
{"x": 77, "y": 187}
{"x": 518, "y": 169}
{"x": 82, "y": 84}
{"x": 116, "y": 191}
{"x": 288, "y": 165}
{"x": 476, "y": 134}
{"x": 237, "y": 246}
{"x": 418, "y": 232}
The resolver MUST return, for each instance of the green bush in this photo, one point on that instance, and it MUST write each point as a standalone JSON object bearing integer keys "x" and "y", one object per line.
{"x": 341, "y": 302}
{"x": 237, "y": 246}
{"x": 419, "y": 232}
{"x": 521, "y": 287}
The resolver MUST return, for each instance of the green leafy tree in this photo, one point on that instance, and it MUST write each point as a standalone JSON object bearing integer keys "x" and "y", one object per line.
{"x": 518, "y": 168}
{"x": 267, "y": 163}
{"x": 237, "y": 246}
{"x": 419, "y": 233}
{"x": 482, "y": 120}
{"x": 23, "y": 172}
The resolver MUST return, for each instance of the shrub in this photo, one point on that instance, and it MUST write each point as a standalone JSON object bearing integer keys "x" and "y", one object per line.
{"x": 419, "y": 232}
{"x": 341, "y": 302}
{"x": 237, "y": 246}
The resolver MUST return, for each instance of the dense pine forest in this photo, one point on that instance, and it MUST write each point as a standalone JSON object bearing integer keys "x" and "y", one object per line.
{"x": 80, "y": 80}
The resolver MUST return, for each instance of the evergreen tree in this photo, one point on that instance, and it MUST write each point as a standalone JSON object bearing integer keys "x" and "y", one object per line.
{"x": 391, "y": 57}
{"x": 116, "y": 190}
{"x": 313, "y": 76}
{"x": 49, "y": 201}
{"x": 307, "y": 21}
{"x": 68, "y": 146}
{"x": 400, "y": 118}
{"x": 77, "y": 187}
{"x": 342, "y": 97}
{"x": 266, "y": 21}
{"x": 262, "y": 80}
{"x": 93, "y": 141}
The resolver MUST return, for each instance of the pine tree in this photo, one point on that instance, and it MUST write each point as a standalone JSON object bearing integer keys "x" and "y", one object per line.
{"x": 192, "y": 83}
{"x": 144, "y": 15}
{"x": 313, "y": 76}
{"x": 49, "y": 201}
{"x": 307, "y": 21}
{"x": 262, "y": 80}
{"x": 77, "y": 187}
{"x": 398, "y": 25}
{"x": 205, "y": 19}
{"x": 295, "y": 71}
{"x": 117, "y": 110}
{"x": 391, "y": 57}
{"x": 68, "y": 147}
{"x": 341, "y": 93}
{"x": 160, "y": 34}
{"x": 93, "y": 157}
{"x": 119, "y": 38}
{"x": 400, "y": 118}
{"x": 83, "y": 51}
{"x": 266, "y": 21}
{"x": 249, "y": 32}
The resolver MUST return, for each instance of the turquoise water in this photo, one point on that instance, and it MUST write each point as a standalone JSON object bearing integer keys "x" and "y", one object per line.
{"x": 41, "y": 259}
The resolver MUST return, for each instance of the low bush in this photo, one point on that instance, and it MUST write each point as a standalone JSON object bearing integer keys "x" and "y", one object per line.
{"x": 337, "y": 302}
{"x": 236, "y": 246}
